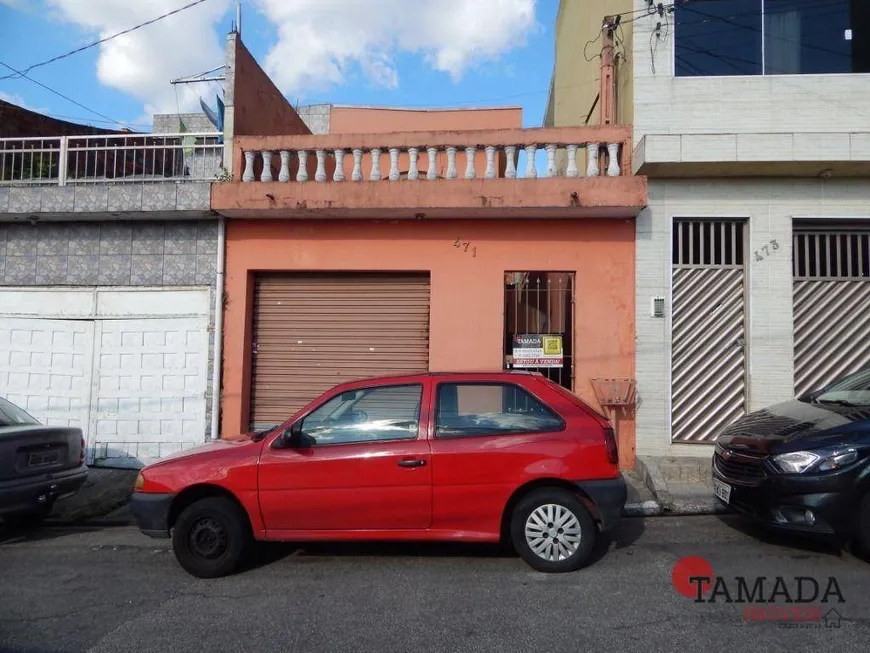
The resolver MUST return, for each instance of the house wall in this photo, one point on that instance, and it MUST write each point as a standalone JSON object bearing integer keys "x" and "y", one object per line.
{"x": 769, "y": 206}
{"x": 577, "y": 71}
{"x": 664, "y": 104}
{"x": 113, "y": 254}
{"x": 378, "y": 120}
{"x": 467, "y": 288}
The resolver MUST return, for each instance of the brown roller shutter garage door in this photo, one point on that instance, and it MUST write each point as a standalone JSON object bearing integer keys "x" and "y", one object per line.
{"x": 311, "y": 332}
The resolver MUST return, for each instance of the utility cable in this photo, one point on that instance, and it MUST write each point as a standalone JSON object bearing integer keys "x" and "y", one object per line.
{"x": 108, "y": 38}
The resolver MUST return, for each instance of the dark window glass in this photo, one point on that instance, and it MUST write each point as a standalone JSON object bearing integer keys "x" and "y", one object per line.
{"x": 771, "y": 37}
{"x": 12, "y": 415}
{"x": 366, "y": 415}
{"x": 807, "y": 36}
{"x": 467, "y": 410}
{"x": 718, "y": 37}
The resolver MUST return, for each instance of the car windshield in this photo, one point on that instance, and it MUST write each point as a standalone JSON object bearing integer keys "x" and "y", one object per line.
{"x": 853, "y": 390}
{"x": 12, "y": 415}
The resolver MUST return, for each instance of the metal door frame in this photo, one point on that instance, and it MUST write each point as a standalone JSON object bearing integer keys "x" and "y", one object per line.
{"x": 746, "y": 234}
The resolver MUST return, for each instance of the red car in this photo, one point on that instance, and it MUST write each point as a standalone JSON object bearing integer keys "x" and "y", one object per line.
{"x": 507, "y": 456}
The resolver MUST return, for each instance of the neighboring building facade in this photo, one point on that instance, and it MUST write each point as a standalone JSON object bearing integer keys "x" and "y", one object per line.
{"x": 108, "y": 258}
{"x": 394, "y": 241}
{"x": 753, "y": 267}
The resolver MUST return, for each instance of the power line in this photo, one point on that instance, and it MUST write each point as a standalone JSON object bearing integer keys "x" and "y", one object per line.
{"x": 61, "y": 95}
{"x": 104, "y": 40}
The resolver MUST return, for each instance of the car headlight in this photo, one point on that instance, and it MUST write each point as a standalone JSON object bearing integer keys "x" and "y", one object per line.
{"x": 798, "y": 462}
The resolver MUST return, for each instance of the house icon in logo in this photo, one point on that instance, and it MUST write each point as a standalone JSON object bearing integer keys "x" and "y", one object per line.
{"x": 832, "y": 618}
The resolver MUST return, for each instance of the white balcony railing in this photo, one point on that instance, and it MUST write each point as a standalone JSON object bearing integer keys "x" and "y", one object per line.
{"x": 112, "y": 158}
{"x": 416, "y": 163}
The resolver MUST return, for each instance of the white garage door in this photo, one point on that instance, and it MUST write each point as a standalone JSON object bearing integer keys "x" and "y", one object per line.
{"x": 136, "y": 387}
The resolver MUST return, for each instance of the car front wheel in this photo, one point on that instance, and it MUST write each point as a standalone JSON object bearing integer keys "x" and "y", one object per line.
{"x": 211, "y": 537}
{"x": 552, "y": 531}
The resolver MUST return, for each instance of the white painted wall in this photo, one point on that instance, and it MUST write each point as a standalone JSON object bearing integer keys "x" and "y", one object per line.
{"x": 664, "y": 104}
{"x": 770, "y": 206}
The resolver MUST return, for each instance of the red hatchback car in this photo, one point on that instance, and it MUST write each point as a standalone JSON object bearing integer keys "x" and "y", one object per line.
{"x": 507, "y": 456}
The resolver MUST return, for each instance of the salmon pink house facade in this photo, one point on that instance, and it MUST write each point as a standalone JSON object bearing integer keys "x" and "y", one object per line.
{"x": 398, "y": 241}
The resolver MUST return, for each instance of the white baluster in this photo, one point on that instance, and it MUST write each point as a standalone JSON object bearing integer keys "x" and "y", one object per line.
{"x": 510, "y": 153}
{"x": 320, "y": 174}
{"x": 531, "y": 171}
{"x": 613, "y": 160}
{"x": 592, "y": 160}
{"x": 470, "y": 153}
{"x": 338, "y": 175}
{"x": 451, "y": 163}
{"x": 376, "y": 165}
{"x": 432, "y": 173}
{"x": 284, "y": 174}
{"x": 551, "y": 160}
{"x": 356, "y": 175}
{"x": 248, "y": 174}
{"x": 572, "y": 170}
{"x": 302, "y": 173}
{"x": 413, "y": 173}
{"x": 266, "y": 175}
{"x": 489, "y": 173}
{"x": 394, "y": 164}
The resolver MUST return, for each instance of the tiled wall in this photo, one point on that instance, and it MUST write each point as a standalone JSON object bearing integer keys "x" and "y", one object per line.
{"x": 769, "y": 206}
{"x": 153, "y": 253}
{"x": 108, "y": 254}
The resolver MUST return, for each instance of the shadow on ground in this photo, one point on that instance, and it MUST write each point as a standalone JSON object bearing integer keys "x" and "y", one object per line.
{"x": 804, "y": 547}
{"x": 17, "y": 535}
{"x": 266, "y": 553}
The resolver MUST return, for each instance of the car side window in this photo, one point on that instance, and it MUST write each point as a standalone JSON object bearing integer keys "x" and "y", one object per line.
{"x": 373, "y": 414}
{"x": 476, "y": 409}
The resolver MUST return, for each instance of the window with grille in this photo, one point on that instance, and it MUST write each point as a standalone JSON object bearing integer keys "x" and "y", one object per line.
{"x": 831, "y": 254}
{"x": 708, "y": 243}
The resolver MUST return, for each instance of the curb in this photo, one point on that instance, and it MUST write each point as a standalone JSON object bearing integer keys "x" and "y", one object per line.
{"x": 653, "y": 479}
{"x": 645, "y": 509}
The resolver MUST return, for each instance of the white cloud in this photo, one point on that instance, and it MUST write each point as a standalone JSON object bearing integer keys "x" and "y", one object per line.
{"x": 320, "y": 40}
{"x": 142, "y": 63}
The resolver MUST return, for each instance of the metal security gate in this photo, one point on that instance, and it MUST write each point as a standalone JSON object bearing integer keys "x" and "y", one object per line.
{"x": 831, "y": 304}
{"x": 311, "y": 332}
{"x": 708, "y": 357}
{"x": 539, "y": 321}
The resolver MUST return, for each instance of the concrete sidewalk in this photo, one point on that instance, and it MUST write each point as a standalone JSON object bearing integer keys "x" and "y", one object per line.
{"x": 681, "y": 486}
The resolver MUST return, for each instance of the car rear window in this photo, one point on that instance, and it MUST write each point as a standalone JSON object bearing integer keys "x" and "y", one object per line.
{"x": 477, "y": 409}
{"x": 12, "y": 415}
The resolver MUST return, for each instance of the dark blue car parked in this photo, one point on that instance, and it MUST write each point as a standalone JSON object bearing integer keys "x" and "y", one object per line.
{"x": 803, "y": 465}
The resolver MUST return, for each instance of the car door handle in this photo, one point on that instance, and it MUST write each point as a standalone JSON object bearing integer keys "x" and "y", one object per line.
{"x": 417, "y": 462}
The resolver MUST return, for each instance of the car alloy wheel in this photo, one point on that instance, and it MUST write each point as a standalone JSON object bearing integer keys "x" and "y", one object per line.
{"x": 553, "y": 532}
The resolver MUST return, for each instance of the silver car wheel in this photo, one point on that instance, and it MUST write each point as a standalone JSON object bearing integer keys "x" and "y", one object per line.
{"x": 553, "y": 532}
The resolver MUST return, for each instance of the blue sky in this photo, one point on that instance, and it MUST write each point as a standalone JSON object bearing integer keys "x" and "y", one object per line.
{"x": 515, "y": 69}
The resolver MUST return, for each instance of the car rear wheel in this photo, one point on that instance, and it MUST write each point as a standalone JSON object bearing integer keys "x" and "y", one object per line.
{"x": 552, "y": 531}
{"x": 211, "y": 537}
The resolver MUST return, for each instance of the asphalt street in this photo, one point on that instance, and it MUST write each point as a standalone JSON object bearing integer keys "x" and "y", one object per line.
{"x": 113, "y": 589}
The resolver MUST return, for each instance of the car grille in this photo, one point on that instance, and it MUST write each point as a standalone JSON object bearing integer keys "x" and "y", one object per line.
{"x": 740, "y": 468}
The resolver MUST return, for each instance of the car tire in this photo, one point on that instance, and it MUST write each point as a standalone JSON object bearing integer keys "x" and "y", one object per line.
{"x": 862, "y": 532}
{"x": 28, "y": 520}
{"x": 211, "y": 537}
{"x": 544, "y": 516}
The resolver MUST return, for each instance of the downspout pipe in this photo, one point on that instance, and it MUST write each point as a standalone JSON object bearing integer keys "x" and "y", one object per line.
{"x": 218, "y": 330}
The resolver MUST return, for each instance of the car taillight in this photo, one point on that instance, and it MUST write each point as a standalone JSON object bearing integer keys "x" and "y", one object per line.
{"x": 82, "y": 452}
{"x": 610, "y": 445}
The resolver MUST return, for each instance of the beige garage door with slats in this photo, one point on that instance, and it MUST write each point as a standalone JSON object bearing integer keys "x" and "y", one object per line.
{"x": 311, "y": 332}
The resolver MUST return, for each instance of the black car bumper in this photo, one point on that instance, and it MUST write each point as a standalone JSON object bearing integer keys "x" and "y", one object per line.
{"x": 32, "y": 494}
{"x": 823, "y": 505}
{"x": 608, "y": 499}
{"x": 152, "y": 513}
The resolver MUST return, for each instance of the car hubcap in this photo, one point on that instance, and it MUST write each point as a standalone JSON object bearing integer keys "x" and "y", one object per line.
{"x": 208, "y": 539}
{"x": 553, "y": 532}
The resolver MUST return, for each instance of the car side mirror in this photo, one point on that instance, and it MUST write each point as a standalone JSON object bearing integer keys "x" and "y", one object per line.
{"x": 294, "y": 438}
